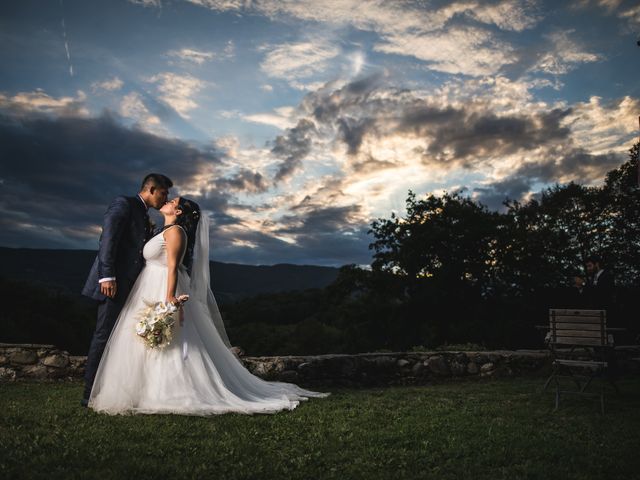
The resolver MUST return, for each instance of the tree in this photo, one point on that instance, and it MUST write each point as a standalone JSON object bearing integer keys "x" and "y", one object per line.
{"x": 621, "y": 193}
{"x": 550, "y": 239}
{"x": 449, "y": 238}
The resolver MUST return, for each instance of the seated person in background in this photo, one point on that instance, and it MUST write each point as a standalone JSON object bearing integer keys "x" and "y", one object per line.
{"x": 576, "y": 296}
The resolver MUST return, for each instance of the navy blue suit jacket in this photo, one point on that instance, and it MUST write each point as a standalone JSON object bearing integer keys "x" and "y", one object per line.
{"x": 125, "y": 230}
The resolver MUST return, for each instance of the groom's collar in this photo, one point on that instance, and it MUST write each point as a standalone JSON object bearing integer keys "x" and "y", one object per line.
{"x": 143, "y": 203}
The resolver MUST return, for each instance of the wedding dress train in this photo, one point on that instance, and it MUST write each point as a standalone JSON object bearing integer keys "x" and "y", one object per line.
{"x": 196, "y": 374}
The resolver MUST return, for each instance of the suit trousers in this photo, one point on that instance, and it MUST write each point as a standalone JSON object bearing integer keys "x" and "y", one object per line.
{"x": 108, "y": 311}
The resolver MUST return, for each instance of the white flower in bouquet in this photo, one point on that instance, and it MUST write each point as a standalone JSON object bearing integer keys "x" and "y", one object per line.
{"x": 161, "y": 308}
{"x": 156, "y": 322}
{"x": 171, "y": 308}
{"x": 141, "y": 327}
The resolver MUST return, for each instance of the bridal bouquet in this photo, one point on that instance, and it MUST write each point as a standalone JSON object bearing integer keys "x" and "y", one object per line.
{"x": 156, "y": 322}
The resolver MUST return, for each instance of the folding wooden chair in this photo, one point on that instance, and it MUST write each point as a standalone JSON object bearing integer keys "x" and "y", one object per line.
{"x": 580, "y": 348}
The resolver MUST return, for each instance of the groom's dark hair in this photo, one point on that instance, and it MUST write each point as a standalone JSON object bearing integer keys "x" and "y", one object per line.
{"x": 156, "y": 180}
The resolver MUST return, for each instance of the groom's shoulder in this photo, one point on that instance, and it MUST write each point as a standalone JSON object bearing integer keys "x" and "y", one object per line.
{"x": 121, "y": 203}
{"x": 124, "y": 200}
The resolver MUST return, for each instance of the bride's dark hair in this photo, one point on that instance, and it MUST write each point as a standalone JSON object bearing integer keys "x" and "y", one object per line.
{"x": 188, "y": 220}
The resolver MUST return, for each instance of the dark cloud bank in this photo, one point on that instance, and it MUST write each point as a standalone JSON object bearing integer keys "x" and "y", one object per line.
{"x": 60, "y": 172}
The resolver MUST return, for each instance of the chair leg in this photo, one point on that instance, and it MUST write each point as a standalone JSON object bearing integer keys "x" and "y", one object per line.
{"x": 586, "y": 385}
{"x": 614, "y": 385}
{"x": 571, "y": 373}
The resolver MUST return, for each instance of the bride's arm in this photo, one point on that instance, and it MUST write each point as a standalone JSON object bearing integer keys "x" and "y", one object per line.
{"x": 175, "y": 241}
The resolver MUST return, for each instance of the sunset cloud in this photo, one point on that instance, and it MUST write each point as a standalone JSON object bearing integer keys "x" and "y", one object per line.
{"x": 39, "y": 101}
{"x": 564, "y": 55}
{"x": 507, "y": 15}
{"x": 111, "y": 85}
{"x": 632, "y": 14}
{"x": 599, "y": 126}
{"x": 293, "y": 147}
{"x": 191, "y": 55}
{"x": 627, "y": 10}
{"x": 134, "y": 108}
{"x": 178, "y": 91}
{"x": 297, "y": 61}
{"x": 447, "y": 51}
{"x": 281, "y": 117}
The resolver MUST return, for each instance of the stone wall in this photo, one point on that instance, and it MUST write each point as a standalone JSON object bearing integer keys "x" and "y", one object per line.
{"x": 397, "y": 368}
{"x": 37, "y": 361}
{"x": 365, "y": 369}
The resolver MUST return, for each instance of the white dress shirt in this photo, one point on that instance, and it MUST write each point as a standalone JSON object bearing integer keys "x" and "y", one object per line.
{"x": 597, "y": 275}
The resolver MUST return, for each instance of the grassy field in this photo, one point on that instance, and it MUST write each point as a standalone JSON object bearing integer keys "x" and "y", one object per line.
{"x": 499, "y": 429}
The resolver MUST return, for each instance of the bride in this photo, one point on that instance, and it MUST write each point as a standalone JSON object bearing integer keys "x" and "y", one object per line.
{"x": 196, "y": 374}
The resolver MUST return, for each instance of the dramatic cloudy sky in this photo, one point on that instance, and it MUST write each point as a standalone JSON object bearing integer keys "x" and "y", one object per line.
{"x": 295, "y": 123}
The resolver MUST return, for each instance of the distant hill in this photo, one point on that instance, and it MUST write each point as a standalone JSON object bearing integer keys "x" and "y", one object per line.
{"x": 68, "y": 269}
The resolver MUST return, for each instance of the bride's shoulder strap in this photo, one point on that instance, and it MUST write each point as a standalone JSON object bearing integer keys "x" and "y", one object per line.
{"x": 180, "y": 227}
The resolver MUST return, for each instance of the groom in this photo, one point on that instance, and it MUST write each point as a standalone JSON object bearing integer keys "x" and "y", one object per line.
{"x": 126, "y": 228}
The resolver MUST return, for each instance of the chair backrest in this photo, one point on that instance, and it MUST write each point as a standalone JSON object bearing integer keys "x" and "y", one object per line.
{"x": 578, "y": 327}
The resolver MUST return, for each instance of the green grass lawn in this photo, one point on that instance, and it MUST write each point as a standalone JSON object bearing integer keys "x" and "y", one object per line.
{"x": 473, "y": 429}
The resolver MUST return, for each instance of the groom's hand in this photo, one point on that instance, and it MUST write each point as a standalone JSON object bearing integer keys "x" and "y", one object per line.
{"x": 108, "y": 288}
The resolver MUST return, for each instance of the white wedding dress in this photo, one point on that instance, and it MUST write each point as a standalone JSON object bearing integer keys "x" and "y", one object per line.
{"x": 196, "y": 374}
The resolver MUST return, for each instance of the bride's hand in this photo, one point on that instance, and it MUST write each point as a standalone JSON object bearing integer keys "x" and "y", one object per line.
{"x": 179, "y": 300}
{"x": 173, "y": 300}
{"x": 182, "y": 299}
